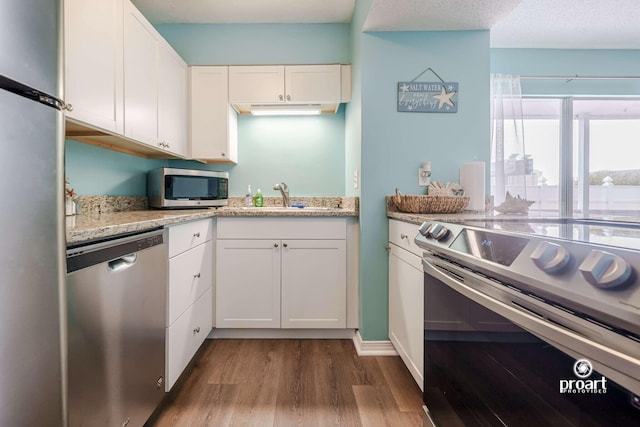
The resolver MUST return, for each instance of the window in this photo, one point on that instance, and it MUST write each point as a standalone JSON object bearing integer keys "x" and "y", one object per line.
{"x": 603, "y": 142}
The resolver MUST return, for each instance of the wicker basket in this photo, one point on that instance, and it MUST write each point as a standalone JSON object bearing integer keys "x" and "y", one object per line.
{"x": 430, "y": 204}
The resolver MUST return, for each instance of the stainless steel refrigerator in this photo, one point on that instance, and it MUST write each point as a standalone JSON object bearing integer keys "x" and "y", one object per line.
{"x": 31, "y": 214}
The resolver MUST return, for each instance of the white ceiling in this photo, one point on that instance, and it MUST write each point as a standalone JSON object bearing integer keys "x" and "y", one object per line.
{"x": 579, "y": 24}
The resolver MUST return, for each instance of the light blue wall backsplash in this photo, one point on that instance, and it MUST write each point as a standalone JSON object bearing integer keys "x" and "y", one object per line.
{"x": 305, "y": 152}
{"x": 308, "y": 153}
{"x": 96, "y": 171}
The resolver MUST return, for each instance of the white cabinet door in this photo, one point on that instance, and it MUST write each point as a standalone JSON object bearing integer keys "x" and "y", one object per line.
{"x": 140, "y": 77}
{"x": 406, "y": 305}
{"x": 314, "y": 284}
{"x": 256, "y": 84}
{"x": 313, "y": 83}
{"x": 93, "y": 62}
{"x": 247, "y": 284}
{"x": 214, "y": 123}
{"x": 172, "y": 101}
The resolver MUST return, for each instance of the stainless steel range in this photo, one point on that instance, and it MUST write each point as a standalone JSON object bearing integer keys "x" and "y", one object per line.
{"x": 532, "y": 323}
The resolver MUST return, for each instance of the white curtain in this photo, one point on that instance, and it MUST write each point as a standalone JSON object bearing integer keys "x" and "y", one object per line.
{"x": 509, "y": 162}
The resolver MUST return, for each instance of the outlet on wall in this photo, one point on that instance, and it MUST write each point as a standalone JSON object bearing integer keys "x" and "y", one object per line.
{"x": 356, "y": 179}
{"x": 424, "y": 177}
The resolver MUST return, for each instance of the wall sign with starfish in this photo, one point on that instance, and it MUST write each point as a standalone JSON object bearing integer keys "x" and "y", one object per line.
{"x": 428, "y": 97}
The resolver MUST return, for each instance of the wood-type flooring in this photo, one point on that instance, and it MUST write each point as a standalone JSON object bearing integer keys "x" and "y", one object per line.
{"x": 281, "y": 383}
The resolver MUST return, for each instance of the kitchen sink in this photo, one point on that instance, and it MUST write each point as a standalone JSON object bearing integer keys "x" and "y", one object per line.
{"x": 285, "y": 208}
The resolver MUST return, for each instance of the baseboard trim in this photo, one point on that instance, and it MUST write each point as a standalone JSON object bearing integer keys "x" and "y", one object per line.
{"x": 240, "y": 333}
{"x": 373, "y": 348}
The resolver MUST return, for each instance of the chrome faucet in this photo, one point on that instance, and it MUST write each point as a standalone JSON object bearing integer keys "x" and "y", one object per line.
{"x": 284, "y": 190}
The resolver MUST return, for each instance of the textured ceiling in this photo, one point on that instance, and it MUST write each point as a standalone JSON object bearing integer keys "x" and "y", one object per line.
{"x": 436, "y": 15}
{"x": 578, "y": 24}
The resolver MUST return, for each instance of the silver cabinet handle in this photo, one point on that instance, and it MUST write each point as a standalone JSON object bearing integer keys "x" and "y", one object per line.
{"x": 388, "y": 248}
{"x": 275, "y": 245}
{"x": 404, "y": 236}
{"x": 196, "y": 276}
{"x": 196, "y": 234}
{"x": 288, "y": 97}
{"x": 223, "y": 154}
{"x": 280, "y": 97}
{"x": 196, "y": 330}
{"x": 68, "y": 107}
{"x": 285, "y": 245}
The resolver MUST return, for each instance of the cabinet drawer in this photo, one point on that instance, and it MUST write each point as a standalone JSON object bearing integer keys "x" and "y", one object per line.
{"x": 186, "y": 236}
{"x": 402, "y": 234}
{"x": 282, "y": 228}
{"x": 190, "y": 274}
{"x": 186, "y": 335}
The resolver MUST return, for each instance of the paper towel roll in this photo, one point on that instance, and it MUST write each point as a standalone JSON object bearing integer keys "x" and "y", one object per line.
{"x": 472, "y": 182}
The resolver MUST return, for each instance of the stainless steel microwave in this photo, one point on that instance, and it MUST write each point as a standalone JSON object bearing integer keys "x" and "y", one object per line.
{"x": 187, "y": 188}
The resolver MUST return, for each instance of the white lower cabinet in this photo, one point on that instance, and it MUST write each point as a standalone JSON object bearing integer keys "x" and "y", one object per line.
{"x": 190, "y": 294}
{"x": 292, "y": 276}
{"x": 247, "y": 284}
{"x": 406, "y": 297}
{"x": 313, "y": 284}
{"x": 186, "y": 335}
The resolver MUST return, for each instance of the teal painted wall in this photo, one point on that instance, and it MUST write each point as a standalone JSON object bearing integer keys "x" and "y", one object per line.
{"x": 561, "y": 62}
{"x": 308, "y": 153}
{"x": 353, "y": 117}
{"x": 394, "y": 144}
{"x": 95, "y": 171}
{"x": 305, "y": 152}
{"x": 249, "y": 44}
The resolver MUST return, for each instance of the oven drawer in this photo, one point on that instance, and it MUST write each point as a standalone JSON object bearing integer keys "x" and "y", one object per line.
{"x": 402, "y": 234}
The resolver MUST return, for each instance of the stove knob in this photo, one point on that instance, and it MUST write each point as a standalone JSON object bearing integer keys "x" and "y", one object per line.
{"x": 550, "y": 257}
{"x": 439, "y": 232}
{"x": 605, "y": 270}
{"x": 424, "y": 228}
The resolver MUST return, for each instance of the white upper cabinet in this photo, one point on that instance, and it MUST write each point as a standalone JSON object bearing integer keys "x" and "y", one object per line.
{"x": 256, "y": 84}
{"x": 140, "y": 77}
{"x": 172, "y": 100}
{"x": 288, "y": 84}
{"x": 213, "y": 123}
{"x": 93, "y": 62}
{"x": 312, "y": 83}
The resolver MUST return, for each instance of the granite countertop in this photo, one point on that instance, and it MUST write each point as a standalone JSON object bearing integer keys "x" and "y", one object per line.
{"x": 465, "y": 216}
{"x": 99, "y": 224}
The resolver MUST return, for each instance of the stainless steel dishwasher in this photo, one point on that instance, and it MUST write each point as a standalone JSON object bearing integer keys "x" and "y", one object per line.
{"x": 116, "y": 305}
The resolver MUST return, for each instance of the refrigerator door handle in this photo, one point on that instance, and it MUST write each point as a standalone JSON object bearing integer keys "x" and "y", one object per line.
{"x": 34, "y": 94}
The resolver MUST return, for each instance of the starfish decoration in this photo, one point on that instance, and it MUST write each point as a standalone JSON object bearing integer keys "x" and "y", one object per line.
{"x": 404, "y": 87}
{"x": 444, "y": 98}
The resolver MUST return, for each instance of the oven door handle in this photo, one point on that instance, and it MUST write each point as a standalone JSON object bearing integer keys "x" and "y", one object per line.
{"x": 606, "y": 360}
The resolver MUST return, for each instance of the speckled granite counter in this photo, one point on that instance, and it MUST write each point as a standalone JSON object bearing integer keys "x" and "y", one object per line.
{"x": 92, "y": 226}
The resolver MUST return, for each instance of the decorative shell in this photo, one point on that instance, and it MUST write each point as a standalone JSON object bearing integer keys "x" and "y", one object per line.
{"x": 514, "y": 205}
{"x": 448, "y": 189}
